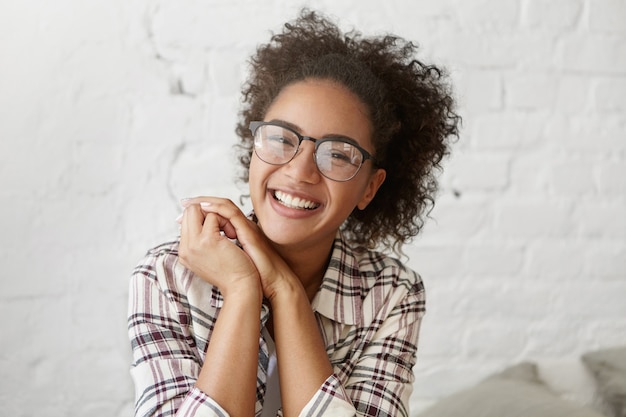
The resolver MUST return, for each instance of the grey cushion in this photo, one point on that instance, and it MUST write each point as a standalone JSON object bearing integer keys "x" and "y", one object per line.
{"x": 515, "y": 392}
{"x": 608, "y": 366}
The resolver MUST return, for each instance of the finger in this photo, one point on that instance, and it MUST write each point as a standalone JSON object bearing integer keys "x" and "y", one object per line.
{"x": 192, "y": 221}
{"x": 235, "y": 221}
{"x": 190, "y": 227}
{"x": 225, "y": 225}
{"x": 186, "y": 202}
{"x": 237, "y": 225}
{"x": 228, "y": 228}
{"x": 214, "y": 224}
{"x": 222, "y": 206}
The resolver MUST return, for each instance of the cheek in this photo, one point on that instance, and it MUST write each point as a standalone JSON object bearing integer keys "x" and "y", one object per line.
{"x": 349, "y": 195}
{"x": 258, "y": 175}
{"x": 359, "y": 191}
{"x": 255, "y": 170}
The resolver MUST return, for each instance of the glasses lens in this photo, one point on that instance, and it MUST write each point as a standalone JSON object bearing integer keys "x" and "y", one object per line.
{"x": 274, "y": 144}
{"x": 338, "y": 160}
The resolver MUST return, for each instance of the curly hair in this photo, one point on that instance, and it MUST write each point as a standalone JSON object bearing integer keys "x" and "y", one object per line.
{"x": 411, "y": 109}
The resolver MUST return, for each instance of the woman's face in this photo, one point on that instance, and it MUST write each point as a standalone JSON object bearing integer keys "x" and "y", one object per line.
{"x": 319, "y": 109}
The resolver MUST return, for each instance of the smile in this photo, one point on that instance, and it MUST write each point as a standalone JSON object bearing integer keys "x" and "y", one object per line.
{"x": 295, "y": 202}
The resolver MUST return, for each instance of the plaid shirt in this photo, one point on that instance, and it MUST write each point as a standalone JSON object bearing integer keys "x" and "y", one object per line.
{"x": 368, "y": 308}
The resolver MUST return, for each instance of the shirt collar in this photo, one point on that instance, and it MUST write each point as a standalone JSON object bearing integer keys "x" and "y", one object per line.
{"x": 339, "y": 296}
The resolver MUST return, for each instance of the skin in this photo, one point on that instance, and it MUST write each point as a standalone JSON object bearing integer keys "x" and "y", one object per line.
{"x": 284, "y": 256}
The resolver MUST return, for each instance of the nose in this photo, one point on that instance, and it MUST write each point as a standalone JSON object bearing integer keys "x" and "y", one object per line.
{"x": 302, "y": 167}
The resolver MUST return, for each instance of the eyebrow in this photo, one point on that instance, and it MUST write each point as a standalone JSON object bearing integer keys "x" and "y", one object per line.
{"x": 296, "y": 128}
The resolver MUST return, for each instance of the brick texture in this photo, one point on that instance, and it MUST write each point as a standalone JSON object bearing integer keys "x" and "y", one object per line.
{"x": 111, "y": 111}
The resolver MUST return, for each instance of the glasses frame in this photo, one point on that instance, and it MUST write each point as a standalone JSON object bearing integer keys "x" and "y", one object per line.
{"x": 254, "y": 126}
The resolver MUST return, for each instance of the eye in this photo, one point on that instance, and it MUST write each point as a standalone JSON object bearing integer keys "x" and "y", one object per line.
{"x": 279, "y": 139}
{"x": 340, "y": 157}
{"x": 339, "y": 153}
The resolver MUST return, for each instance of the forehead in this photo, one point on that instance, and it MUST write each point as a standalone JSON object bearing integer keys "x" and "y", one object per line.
{"x": 320, "y": 108}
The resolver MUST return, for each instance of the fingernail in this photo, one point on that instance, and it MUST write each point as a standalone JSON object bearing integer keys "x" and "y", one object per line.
{"x": 184, "y": 202}
{"x": 179, "y": 218}
{"x": 205, "y": 205}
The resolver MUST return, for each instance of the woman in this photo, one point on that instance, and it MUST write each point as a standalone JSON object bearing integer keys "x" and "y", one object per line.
{"x": 290, "y": 309}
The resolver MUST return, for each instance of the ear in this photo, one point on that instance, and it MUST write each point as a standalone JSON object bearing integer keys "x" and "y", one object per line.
{"x": 376, "y": 180}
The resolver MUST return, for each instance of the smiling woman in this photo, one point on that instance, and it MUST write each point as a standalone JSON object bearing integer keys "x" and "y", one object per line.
{"x": 289, "y": 309}
{"x": 324, "y": 109}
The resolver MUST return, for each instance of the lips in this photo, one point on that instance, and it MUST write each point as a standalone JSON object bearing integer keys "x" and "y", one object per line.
{"x": 294, "y": 202}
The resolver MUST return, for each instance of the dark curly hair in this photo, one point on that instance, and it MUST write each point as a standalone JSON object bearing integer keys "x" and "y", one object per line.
{"x": 411, "y": 109}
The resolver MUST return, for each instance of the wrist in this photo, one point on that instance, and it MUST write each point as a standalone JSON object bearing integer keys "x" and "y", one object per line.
{"x": 245, "y": 292}
{"x": 285, "y": 291}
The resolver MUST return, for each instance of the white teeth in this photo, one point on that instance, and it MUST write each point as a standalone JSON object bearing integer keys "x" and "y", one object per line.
{"x": 294, "y": 202}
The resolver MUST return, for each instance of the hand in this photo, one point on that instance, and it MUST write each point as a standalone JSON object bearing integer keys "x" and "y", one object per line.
{"x": 272, "y": 269}
{"x": 207, "y": 250}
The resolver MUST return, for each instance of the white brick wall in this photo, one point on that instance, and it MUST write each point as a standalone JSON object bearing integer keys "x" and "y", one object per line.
{"x": 111, "y": 111}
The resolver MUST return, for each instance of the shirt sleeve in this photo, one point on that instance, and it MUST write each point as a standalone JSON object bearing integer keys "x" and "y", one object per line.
{"x": 380, "y": 384}
{"x": 330, "y": 400}
{"x": 165, "y": 367}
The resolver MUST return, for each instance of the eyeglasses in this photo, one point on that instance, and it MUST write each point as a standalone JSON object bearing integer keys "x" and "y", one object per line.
{"x": 338, "y": 159}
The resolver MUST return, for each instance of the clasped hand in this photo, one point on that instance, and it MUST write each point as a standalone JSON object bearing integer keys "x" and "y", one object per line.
{"x": 208, "y": 227}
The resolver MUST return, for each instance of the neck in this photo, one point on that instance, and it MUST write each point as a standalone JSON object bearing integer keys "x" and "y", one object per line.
{"x": 309, "y": 264}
